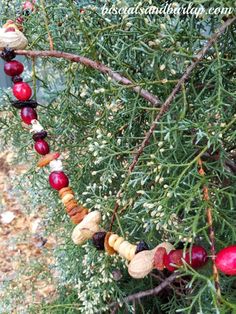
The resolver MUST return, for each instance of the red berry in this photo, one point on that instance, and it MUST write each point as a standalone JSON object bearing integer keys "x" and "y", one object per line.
{"x": 22, "y": 91}
{"x": 58, "y": 180}
{"x": 42, "y": 147}
{"x": 13, "y": 68}
{"x": 174, "y": 257}
{"x": 28, "y": 114}
{"x": 20, "y": 20}
{"x": 28, "y": 5}
{"x": 197, "y": 257}
{"x": 226, "y": 260}
{"x": 159, "y": 258}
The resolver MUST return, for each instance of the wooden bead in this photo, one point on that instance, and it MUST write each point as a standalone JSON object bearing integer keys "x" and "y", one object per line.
{"x": 109, "y": 249}
{"x": 45, "y": 160}
{"x": 66, "y": 198}
{"x": 66, "y": 189}
{"x": 77, "y": 218}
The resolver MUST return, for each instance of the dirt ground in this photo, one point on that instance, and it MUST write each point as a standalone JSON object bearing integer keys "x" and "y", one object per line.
{"x": 26, "y": 258}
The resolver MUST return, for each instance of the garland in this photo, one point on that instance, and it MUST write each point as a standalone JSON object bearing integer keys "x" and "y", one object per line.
{"x": 141, "y": 259}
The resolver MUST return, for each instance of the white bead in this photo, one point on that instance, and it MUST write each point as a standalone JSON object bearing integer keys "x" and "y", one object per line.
{"x": 36, "y": 126}
{"x": 56, "y": 165}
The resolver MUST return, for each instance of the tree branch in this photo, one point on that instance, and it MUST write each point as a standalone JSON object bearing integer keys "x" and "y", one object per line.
{"x": 167, "y": 104}
{"x": 206, "y": 198}
{"x": 147, "y": 293}
{"x": 95, "y": 65}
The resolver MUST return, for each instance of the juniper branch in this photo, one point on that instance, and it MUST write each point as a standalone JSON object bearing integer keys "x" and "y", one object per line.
{"x": 167, "y": 104}
{"x": 95, "y": 65}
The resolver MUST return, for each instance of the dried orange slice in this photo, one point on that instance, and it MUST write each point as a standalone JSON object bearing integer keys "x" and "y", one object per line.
{"x": 45, "y": 160}
{"x": 108, "y": 248}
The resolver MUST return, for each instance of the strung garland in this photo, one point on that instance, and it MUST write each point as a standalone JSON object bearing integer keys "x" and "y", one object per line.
{"x": 141, "y": 259}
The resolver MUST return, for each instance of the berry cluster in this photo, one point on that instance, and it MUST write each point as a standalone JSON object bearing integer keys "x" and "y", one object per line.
{"x": 142, "y": 259}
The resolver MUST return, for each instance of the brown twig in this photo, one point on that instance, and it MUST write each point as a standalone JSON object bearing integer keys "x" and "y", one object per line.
{"x": 206, "y": 198}
{"x": 167, "y": 104}
{"x": 143, "y": 294}
{"x": 46, "y": 19}
{"x": 95, "y": 65}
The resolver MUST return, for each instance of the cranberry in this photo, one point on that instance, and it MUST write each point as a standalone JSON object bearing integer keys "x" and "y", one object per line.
{"x": 197, "y": 257}
{"x": 13, "y": 68}
{"x": 20, "y": 20}
{"x": 58, "y": 180}
{"x": 22, "y": 91}
{"x": 28, "y": 5}
{"x": 226, "y": 260}
{"x": 159, "y": 258}
{"x": 28, "y": 114}
{"x": 42, "y": 147}
{"x": 174, "y": 257}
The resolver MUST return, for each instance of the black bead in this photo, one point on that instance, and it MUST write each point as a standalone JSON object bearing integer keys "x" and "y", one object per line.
{"x": 17, "y": 79}
{"x": 141, "y": 246}
{"x": 98, "y": 240}
{"x": 7, "y": 54}
{"x": 28, "y": 103}
{"x": 39, "y": 135}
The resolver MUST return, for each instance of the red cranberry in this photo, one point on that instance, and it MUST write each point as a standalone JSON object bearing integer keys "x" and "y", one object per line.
{"x": 22, "y": 91}
{"x": 28, "y": 5}
{"x": 159, "y": 258}
{"x": 28, "y": 114}
{"x": 58, "y": 180}
{"x": 13, "y": 68}
{"x": 20, "y": 20}
{"x": 226, "y": 260}
{"x": 174, "y": 257}
{"x": 42, "y": 147}
{"x": 197, "y": 257}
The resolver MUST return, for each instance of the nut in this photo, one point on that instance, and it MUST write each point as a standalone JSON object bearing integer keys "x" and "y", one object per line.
{"x": 141, "y": 264}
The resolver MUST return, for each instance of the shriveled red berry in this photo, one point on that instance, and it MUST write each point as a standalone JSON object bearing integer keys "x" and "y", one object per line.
{"x": 98, "y": 240}
{"x": 28, "y": 114}
{"x": 226, "y": 260}
{"x": 173, "y": 258}
{"x": 42, "y": 147}
{"x": 196, "y": 257}
{"x": 58, "y": 180}
{"x": 22, "y": 91}
{"x": 13, "y": 68}
{"x": 159, "y": 258}
{"x": 17, "y": 79}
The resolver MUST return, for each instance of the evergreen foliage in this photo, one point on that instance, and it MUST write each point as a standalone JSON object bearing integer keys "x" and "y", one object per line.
{"x": 98, "y": 124}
